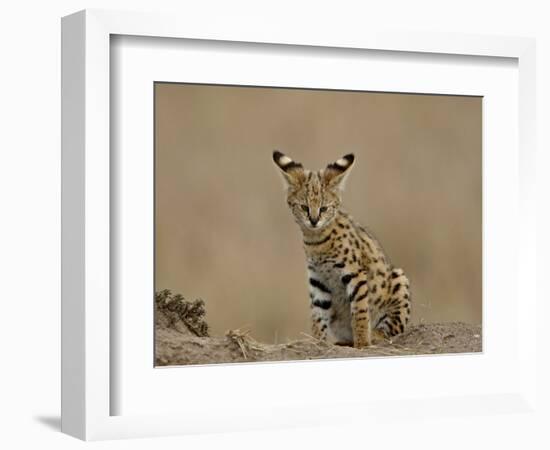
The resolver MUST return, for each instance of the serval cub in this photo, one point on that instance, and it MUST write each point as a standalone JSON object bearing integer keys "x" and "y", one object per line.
{"x": 356, "y": 294}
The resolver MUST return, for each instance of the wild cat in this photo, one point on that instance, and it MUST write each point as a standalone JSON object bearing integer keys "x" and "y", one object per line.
{"x": 356, "y": 295}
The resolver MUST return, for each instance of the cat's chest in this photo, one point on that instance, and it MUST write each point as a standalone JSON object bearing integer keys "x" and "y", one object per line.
{"x": 329, "y": 277}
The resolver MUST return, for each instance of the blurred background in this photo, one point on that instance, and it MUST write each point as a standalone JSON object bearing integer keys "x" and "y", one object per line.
{"x": 223, "y": 230}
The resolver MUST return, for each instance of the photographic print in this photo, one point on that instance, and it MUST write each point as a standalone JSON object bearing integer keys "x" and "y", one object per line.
{"x": 300, "y": 224}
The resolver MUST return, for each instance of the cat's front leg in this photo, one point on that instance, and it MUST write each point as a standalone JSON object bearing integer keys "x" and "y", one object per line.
{"x": 357, "y": 291}
{"x": 319, "y": 323}
{"x": 321, "y": 306}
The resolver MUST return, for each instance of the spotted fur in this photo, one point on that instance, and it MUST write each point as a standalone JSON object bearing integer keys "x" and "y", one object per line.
{"x": 356, "y": 295}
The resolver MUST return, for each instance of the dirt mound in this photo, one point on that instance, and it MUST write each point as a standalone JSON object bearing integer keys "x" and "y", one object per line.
{"x": 181, "y": 338}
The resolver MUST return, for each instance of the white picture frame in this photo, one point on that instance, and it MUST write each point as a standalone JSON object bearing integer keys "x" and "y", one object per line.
{"x": 87, "y": 355}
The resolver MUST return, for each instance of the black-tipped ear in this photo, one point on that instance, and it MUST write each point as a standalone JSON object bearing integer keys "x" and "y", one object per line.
{"x": 343, "y": 164}
{"x": 292, "y": 171}
{"x": 336, "y": 173}
{"x": 284, "y": 162}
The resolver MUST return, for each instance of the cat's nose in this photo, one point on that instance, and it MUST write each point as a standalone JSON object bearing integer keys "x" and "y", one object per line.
{"x": 313, "y": 221}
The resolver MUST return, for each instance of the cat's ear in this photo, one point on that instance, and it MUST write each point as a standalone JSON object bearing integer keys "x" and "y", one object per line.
{"x": 336, "y": 173}
{"x": 292, "y": 171}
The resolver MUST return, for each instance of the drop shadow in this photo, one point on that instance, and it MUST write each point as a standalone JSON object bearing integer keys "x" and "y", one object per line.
{"x": 51, "y": 422}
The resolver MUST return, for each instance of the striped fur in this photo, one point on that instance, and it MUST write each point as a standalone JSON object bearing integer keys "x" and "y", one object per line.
{"x": 356, "y": 295}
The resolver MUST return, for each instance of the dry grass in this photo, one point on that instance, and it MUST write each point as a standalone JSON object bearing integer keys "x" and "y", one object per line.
{"x": 182, "y": 339}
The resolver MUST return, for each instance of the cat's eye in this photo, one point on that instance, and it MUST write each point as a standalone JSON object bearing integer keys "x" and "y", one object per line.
{"x": 304, "y": 208}
{"x": 323, "y": 209}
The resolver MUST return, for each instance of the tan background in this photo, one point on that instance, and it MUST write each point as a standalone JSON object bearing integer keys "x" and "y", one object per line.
{"x": 224, "y": 233}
